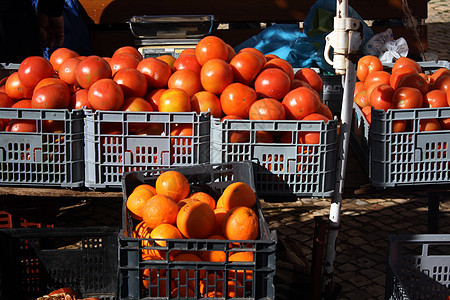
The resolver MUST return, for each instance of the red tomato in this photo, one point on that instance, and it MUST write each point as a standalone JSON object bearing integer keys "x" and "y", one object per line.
{"x": 169, "y": 59}
{"x": 67, "y": 71}
{"x": 211, "y": 47}
{"x": 187, "y": 80}
{"x": 359, "y": 86}
{"x": 267, "y": 109}
{"x": 21, "y": 126}
{"x": 381, "y": 97}
{"x": 261, "y": 56}
{"x": 48, "y": 81}
{"x": 79, "y": 99}
{"x": 270, "y": 56}
{"x": 174, "y": 100}
{"x": 272, "y": 83}
{"x": 367, "y": 112}
{"x": 33, "y": 69}
{"x": 105, "y": 94}
{"x": 237, "y": 136}
{"x": 435, "y": 98}
{"x": 92, "y": 69}
{"x": 153, "y": 97}
{"x": 400, "y": 73}
{"x": 429, "y": 125}
{"x": 325, "y": 111}
{"x": 407, "y": 97}
{"x": 53, "y": 96}
{"x": 398, "y": 125}
{"x": 231, "y": 53}
{"x": 443, "y": 83}
{"x": 438, "y": 73}
{"x": 445, "y": 123}
{"x": 206, "y": 101}
{"x": 280, "y": 64}
{"x": 312, "y": 137}
{"x": 132, "y": 82}
{"x": 136, "y": 104}
{"x": 246, "y": 66}
{"x": 377, "y": 77}
{"x": 187, "y": 51}
{"x": 361, "y": 99}
{"x": 236, "y": 99}
{"x": 216, "y": 75}
{"x": 123, "y": 61}
{"x": 157, "y": 72}
{"x": 130, "y": 50}
{"x": 406, "y": 61}
{"x": 311, "y": 77}
{"x": 60, "y": 55}
{"x": 187, "y": 62}
{"x": 5, "y": 100}
{"x": 415, "y": 81}
{"x": 366, "y": 65}
{"x": 295, "y": 83}
{"x": 24, "y": 103}
{"x": 301, "y": 102}
{"x": 15, "y": 89}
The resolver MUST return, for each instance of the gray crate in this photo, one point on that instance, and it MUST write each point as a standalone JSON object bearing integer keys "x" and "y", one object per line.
{"x": 412, "y": 157}
{"x": 43, "y": 158}
{"x": 418, "y": 267}
{"x": 213, "y": 179}
{"x": 359, "y": 138}
{"x": 109, "y": 156}
{"x": 281, "y": 168}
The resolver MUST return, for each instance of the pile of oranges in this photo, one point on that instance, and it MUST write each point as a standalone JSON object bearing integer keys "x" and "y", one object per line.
{"x": 168, "y": 210}
{"x": 406, "y": 86}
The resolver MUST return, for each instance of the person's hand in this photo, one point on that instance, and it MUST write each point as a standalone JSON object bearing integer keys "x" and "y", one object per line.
{"x": 51, "y": 30}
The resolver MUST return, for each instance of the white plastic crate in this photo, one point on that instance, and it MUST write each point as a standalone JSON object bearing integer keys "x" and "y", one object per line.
{"x": 109, "y": 155}
{"x": 289, "y": 168}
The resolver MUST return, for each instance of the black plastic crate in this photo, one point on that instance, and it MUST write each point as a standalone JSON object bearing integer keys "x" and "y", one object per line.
{"x": 36, "y": 261}
{"x": 211, "y": 178}
{"x": 418, "y": 267}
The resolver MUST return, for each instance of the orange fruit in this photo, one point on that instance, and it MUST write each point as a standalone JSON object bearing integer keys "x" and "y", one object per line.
{"x": 239, "y": 274}
{"x": 137, "y": 200}
{"x": 182, "y": 292}
{"x": 185, "y": 276}
{"x": 204, "y": 197}
{"x": 215, "y": 256}
{"x": 238, "y": 194}
{"x": 172, "y": 184}
{"x": 219, "y": 213}
{"x": 145, "y": 186}
{"x": 141, "y": 231}
{"x": 181, "y": 203}
{"x": 196, "y": 219}
{"x": 240, "y": 223}
{"x": 164, "y": 231}
{"x": 159, "y": 209}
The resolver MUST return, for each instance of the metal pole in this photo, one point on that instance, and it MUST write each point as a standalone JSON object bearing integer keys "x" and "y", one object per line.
{"x": 346, "y": 42}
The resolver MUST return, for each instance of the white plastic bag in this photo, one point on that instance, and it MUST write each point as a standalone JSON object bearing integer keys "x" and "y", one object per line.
{"x": 383, "y": 46}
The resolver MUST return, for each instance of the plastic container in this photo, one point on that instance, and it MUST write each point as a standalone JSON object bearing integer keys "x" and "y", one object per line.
{"x": 282, "y": 167}
{"x": 112, "y": 149}
{"x": 211, "y": 178}
{"x": 332, "y": 93}
{"x": 37, "y": 261}
{"x": 418, "y": 267}
{"x": 409, "y": 158}
{"x": 51, "y": 156}
{"x": 359, "y": 138}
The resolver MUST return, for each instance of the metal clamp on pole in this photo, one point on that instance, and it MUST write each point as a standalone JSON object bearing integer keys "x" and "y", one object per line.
{"x": 345, "y": 40}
